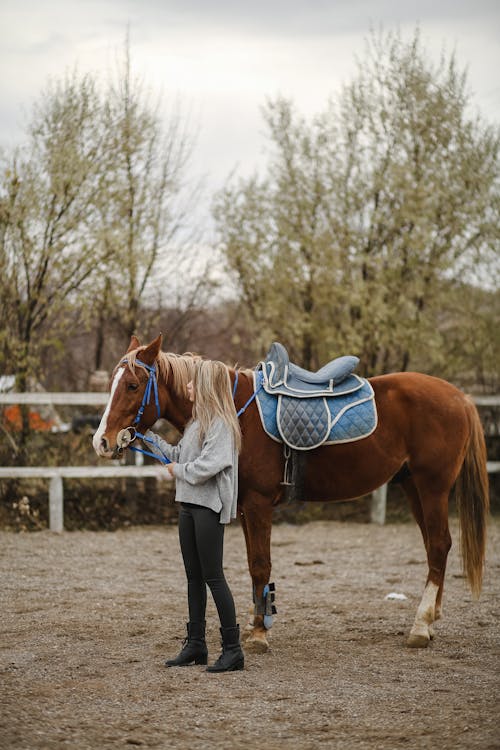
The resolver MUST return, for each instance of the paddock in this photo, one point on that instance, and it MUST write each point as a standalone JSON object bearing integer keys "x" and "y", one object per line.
{"x": 88, "y": 618}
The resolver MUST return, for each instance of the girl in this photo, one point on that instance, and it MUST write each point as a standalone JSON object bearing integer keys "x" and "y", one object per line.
{"x": 205, "y": 466}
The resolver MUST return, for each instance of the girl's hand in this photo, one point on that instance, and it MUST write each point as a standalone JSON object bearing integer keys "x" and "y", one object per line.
{"x": 164, "y": 473}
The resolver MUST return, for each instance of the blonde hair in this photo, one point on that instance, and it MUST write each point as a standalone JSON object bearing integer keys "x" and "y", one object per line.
{"x": 213, "y": 398}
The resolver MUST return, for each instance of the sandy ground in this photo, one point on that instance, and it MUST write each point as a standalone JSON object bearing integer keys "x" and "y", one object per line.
{"x": 88, "y": 618}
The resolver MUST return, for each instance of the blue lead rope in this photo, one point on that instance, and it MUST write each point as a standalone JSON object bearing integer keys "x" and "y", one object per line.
{"x": 163, "y": 459}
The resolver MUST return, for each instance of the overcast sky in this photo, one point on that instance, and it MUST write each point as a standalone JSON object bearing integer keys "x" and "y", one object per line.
{"x": 225, "y": 57}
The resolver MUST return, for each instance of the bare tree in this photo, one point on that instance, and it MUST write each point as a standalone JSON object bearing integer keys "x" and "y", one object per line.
{"x": 145, "y": 219}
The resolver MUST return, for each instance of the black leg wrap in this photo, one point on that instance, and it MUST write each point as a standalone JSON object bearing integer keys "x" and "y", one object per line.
{"x": 264, "y": 605}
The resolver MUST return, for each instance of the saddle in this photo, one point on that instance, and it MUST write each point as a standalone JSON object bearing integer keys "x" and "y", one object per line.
{"x": 283, "y": 376}
{"x": 307, "y": 409}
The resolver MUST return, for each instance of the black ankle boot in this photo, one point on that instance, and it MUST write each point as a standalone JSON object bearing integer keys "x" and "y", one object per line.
{"x": 232, "y": 657}
{"x": 194, "y": 647}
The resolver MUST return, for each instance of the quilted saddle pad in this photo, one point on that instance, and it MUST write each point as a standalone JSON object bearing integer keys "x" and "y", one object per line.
{"x": 307, "y": 423}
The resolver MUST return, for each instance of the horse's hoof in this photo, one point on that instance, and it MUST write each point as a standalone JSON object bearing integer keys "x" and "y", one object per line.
{"x": 246, "y": 632}
{"x": 417, "y": 640}
{"x": 256, "y": 645}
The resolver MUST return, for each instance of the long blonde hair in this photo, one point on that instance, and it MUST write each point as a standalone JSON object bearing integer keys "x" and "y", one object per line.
{"x": 213, "y": 398}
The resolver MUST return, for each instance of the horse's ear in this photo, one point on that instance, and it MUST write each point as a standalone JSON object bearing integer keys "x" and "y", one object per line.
{"x": 150, "y": 353}
{"x": 134, "y": 344}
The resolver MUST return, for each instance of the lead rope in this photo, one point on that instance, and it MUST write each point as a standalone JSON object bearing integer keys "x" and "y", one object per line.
{"x": 163, "y": 459}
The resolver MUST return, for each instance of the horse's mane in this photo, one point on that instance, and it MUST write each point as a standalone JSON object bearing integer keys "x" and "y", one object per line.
{"x": 179, "y": 366}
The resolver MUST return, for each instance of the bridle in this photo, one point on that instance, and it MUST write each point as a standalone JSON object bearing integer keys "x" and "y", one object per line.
{"x": 152, "y": 384}
{"x": 129, "y": 434}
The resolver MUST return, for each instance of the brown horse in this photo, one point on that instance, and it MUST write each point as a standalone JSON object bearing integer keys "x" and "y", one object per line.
{"x": 424, "y": 424}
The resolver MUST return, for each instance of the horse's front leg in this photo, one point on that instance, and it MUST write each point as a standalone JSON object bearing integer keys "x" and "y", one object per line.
{"x": 256, "y": 517}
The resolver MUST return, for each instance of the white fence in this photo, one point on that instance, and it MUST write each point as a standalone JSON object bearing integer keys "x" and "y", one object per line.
{"x": 55, "y": 399}
{"x": 56, "y": 474}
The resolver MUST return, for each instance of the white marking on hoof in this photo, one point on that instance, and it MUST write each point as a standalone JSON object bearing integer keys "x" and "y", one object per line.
{"x": 418, "y": 640}
{"x": 246, "y": 632}
{"x": 257, "y": 643}
{"x": 421, "y": 633}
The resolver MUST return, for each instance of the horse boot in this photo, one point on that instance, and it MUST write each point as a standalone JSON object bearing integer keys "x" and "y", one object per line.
{"x": 232, "y": 657}
{"x": 194, "y": 647}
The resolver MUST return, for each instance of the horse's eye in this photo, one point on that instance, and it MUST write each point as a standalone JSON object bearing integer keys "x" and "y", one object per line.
{"x": 132, "y": 387}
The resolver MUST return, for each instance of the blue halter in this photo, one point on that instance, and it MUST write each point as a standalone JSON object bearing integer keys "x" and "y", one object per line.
{"x": 151, "y": 385}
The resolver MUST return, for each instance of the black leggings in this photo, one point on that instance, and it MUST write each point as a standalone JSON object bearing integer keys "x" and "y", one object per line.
{"x": 202, "y": 544}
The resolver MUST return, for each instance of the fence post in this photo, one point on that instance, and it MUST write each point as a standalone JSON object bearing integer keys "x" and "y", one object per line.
{"x": 56, "y": 504}
{"x": 378, "y": 505}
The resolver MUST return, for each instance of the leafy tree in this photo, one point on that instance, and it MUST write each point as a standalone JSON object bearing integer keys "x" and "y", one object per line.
{"x": 276, "y": 240}
{"x": 91, "y": 214}
{"x": 48, "y": 247}
{"x": 470, "y": 327}
{"x": 366, "y": 213}
{"x": 91, "y": 209}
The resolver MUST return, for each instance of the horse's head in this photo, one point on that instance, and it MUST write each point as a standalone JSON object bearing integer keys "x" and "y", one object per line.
{"x": 128, "y": 388}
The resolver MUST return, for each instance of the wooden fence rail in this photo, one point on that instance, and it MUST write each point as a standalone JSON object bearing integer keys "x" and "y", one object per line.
{"x": 55, "y": 399}
{"x": 56, "y": 474}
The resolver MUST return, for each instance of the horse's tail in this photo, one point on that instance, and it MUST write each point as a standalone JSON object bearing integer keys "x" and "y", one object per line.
{"x": 472, "y": 498}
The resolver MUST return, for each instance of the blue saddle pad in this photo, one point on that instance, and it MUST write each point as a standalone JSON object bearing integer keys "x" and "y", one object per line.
{"x": 307, "y": 423}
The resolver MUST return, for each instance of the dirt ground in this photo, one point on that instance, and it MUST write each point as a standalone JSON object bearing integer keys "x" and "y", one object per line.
{"x": 88, "y": 618}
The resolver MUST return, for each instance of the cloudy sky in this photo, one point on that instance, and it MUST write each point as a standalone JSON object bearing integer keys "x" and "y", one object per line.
{"x": 225, "y": 57}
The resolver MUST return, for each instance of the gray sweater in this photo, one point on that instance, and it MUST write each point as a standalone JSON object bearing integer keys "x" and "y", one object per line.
{"x": 208, "y": 474}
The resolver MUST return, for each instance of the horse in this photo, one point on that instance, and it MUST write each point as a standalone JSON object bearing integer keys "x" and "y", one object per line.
{"x": 428, "y": 432}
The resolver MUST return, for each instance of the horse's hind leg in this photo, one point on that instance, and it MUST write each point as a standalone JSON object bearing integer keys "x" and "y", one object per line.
{"x": 416, "y": 508}
{"x": 432, "y": 517}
